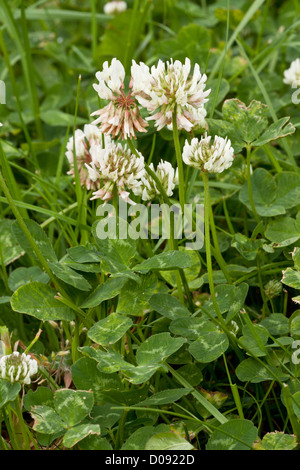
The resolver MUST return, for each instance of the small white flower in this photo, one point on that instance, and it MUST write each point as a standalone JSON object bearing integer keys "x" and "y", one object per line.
{"x": 115, "y": 166}
{"x": 84, "y": 141}
{"x": 121, "y": 116}
{"x": 292, "y": 74}
{"x": 18, "y": 367}
{"x": 168, "y": 87}
{"x": 112, "y": 8}
{"x": 166, "y": 175}
{"x": 213, "y": 158}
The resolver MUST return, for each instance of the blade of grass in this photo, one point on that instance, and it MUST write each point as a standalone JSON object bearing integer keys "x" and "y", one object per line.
{"x": 94, "y": 29}
{"x": 16, "y": 94}
{"x": 216, "y": 92}
{"x": 64, "y": 296}
{"x": 41, "y": 210}
{"x": 197, "y": 395}
{"x": 10, "y": 179}
{"x": 252, "y": 10}
{"x": 44, "y": 14}
{"x": 29, "y": 72}
{"x": 24, "y": 51}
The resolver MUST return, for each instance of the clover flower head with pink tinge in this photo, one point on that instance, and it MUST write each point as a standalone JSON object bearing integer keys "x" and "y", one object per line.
{"x": 121, "y": 116}
{"x": 84, "y": 140}
{"x": 206, "y": 156}
{"x": 168, "y": 88}
{"x": 115, "y": 167}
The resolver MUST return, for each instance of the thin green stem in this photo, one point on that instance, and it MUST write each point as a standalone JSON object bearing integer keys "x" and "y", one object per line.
{"x": 35, "y": 339}
{"x": 197, "y": 395}
{"x": 217, "y": 89}
{"x": 250, "y": 192}
{"x": 220, "y": 258}
{"x": 131, "y": 36}
{"x": 3, "y": 445}
{"x": 116, "y": 200}
{"x": 29, "y": 72}
{"x": 121, "y": 430}
{"x": 288, "y": 401}
{"x": 173, "y": 246}
{"x": 179, "y": 160}
{"x": 78, "y": 190}
{"x": 75, "y": 342}
{"x": 208, "y": 250}
{"x": 227, "y": 217}
{"x": 262, "y": 290}
{"x": 10, "y": 428}
{"x": 272, "y": 158}
{"x": 235, "y": 391}
{"x": 19, "y": 414}
{"x": 11, "y": 182}
{"x": 94, "y": 28}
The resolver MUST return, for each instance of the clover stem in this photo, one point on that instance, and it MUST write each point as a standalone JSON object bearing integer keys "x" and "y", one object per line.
{"x": 173, "y": 246}
{"x": 208, "y": 250}
{"x": 23, "y": 427}
{"x": 116, "y": 200}
{"x": 250, "y": 192}
{"x": 7, "y": 416}
{"x": 219, "y": 256}
{"x": 179, "y": 159}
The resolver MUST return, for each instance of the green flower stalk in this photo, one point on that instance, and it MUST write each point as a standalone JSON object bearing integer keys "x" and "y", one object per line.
{"x": 209, "y": 158}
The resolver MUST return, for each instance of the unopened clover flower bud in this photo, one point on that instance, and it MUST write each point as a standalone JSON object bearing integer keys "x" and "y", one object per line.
{"x": 273, "y": 288}
{"x": 54, "y": 324}
{"x": 234, "y": 327}
{"x": 72, "y": 325}
{"x": 18, "y": 367}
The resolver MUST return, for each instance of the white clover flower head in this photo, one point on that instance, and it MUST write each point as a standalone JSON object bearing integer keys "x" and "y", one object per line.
{"x": 170, "y": 87}
{"x": 18, "y": 367}
{"x": 115, "y": 166}
{"x": 207, "y": 157}
{"x": 84, "y": 140}
{"x": 121, "y": 116}
{"x": 112, "y": 8}
{"x": 166, "y": 175}
{"x": 292, "y": 74}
